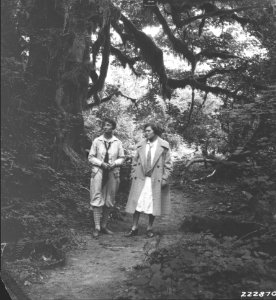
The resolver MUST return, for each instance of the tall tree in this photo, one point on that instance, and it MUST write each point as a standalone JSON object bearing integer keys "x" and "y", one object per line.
{"x": 59, "y": 63}
{"x": 62, "y": 60}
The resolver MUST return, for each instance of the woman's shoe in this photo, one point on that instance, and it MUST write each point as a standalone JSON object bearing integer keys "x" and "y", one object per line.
{"x": 132, "y": 233}
{"x": 96, "y": 233}
{"x": 150, "y": 233}
{"x": 106, "y": 231}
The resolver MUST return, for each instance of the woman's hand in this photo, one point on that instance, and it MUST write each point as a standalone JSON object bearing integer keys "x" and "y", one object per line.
{"x": 105, "y": 166}
{"x": 112, "y": 165}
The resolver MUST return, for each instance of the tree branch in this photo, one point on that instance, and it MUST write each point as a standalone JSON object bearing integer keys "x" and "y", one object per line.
{"x": 202, "y": 104}
{"x": 97, "y": 45}
{"x": 117, "y": 28}
{"x": 205, "y": 177}
{"x": 99, "y": 83}
{"x": 201, "y": 160}
{"x": 192, "y": 107}
{"x": 216, "y": 71}
{"x": 218, "y": 13}
{"x": 215, "y": 54}
{"x": 96, "y": 103}
{"x": 125, "y": 60}
{"x": 134, "y": 101}
{"x": 93, "y": 75}
{"x": 182, "y": 83}
{"x": 242, "y": 20}
{"x": 177, "y": 44}
{"x": 151, "y": 53}
{"x": 108, "y": 98}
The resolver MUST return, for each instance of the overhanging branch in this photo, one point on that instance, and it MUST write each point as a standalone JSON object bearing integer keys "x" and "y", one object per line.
{"x": 218, "y": 13}
{"x": 203, "y": 78}
{"x": 190, "y": 81}
{"x": 134, "y": 101}
{"x": 108, "y": 98}
{"x": 178, "y": 45}
{"x": 150, "y": 52}
{"x": 117, "y": 28}
{"x": 96, "y": 103}
{"x": 125, "y": 60}
{"x": 153, "y": 55}
{"x": 215, "y": 54}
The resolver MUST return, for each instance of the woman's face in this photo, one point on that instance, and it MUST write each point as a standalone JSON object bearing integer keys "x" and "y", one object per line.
{"x": 107, "y": 128}
{"x": 149, "y": 133}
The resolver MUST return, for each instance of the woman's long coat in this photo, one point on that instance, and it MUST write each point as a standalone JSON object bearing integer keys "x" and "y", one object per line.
{"x": 161, "y": 170}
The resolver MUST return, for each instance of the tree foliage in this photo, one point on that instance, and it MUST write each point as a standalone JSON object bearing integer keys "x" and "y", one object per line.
{"x": 207, "y": 75}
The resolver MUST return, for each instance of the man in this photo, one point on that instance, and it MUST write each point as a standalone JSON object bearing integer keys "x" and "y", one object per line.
{"x": 149, "y": 191}
{"x": 106, "y": 155}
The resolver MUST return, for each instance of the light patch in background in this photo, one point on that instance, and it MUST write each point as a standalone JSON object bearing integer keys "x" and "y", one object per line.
{"x": 175, "y": 62}
{"x": 115, "y": 37}
{"x": 127, "y": 82}
{"x": 252, "y": 46}
{"x": 152, "y": 30}
{"x": 182, "y": 99}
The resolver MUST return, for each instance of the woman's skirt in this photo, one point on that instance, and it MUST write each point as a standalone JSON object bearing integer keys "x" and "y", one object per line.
{"x": 145, "y": 201}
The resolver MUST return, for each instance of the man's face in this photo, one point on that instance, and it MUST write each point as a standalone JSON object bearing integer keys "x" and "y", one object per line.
{"x": 149, "y": 133}
{"x": 107, "y": 128}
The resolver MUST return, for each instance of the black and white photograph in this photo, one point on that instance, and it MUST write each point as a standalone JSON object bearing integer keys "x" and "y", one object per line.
{"x": 138, "y": 149}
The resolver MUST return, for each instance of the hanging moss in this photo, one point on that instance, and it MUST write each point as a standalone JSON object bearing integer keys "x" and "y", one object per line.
{"x": 151, "y": 54}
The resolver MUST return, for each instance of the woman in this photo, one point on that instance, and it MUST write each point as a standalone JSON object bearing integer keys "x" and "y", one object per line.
{"x": 149, "y": 191}
{"x": 106, "y": 155}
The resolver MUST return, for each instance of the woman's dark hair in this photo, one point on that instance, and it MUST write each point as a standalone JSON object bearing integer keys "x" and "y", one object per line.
{"x": 110, "y": 121}
{"x": 155, "y": 127}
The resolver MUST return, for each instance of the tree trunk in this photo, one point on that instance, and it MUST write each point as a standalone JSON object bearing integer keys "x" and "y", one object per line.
{"x": 59, "y": 61}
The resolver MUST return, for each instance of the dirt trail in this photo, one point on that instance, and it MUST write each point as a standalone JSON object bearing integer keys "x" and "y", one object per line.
{"x": 100, "y": 270}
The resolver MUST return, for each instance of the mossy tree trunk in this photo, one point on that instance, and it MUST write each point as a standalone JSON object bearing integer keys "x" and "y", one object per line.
{"x": 59, "y": 62}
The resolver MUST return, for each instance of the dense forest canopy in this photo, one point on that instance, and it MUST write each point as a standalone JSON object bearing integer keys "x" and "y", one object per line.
{"x": 203, "y": 69}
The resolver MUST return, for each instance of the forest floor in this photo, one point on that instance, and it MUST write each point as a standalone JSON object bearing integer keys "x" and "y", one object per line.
{"x": 101, "y": 268}
{"x": 180, "y": 262}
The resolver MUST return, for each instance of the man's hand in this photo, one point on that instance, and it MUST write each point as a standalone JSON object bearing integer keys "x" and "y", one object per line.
{"x": 112, "y": 165}
{"x": 164, "y": 183}
{"x": 105, "y": 166}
